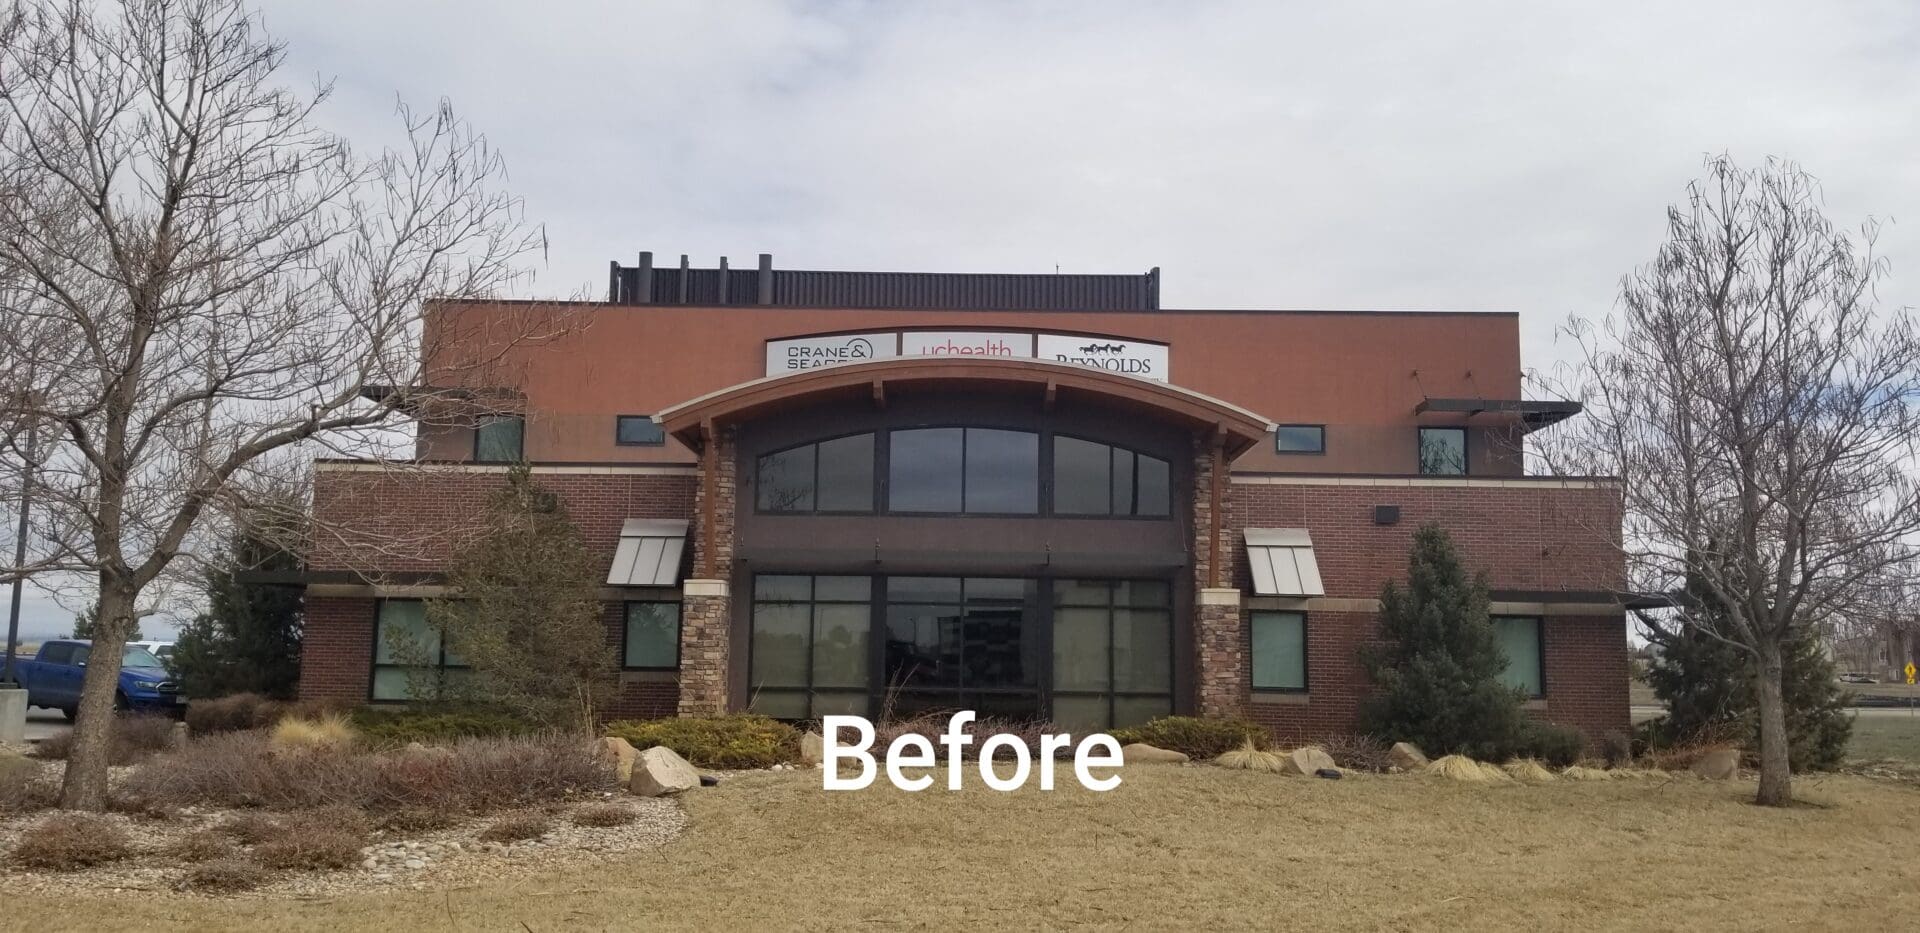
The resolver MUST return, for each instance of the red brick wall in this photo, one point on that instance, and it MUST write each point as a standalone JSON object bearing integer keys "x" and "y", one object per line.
{"x": 413, "y": 520}
{"x": 1526, "y": 535}
{"x": 336, "y": 648}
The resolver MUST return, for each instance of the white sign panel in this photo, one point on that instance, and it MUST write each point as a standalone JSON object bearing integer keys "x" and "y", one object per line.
{"x": 1113, "y": 354}
{"x": 787, "y": 356}
{"x": 1137, "y": 358}
{"x": 965, "y": 343}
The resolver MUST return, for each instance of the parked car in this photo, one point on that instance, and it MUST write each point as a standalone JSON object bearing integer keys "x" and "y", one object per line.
{"x": 1855, "y": 677}
{"x": 54, "y": 675}
{"x": 161, "y": 649}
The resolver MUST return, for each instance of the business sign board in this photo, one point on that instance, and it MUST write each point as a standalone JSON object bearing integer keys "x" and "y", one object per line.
{"x": 1139, "y": 358}
{"x": 787, "y": 356}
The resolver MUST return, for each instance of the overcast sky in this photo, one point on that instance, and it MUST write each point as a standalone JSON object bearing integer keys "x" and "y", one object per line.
{"x": 1263, "y": 154}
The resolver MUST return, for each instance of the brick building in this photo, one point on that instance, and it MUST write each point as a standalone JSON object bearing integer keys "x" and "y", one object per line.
{"x": 1033, "y": 496}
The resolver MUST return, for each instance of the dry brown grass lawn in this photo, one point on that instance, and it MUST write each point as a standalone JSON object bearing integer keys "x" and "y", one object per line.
{"x": 1201, "y": 848}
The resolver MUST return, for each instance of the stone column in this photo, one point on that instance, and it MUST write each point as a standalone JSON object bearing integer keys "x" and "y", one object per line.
{"x": 706, "y": 611}
{"x": 1221, "y": 676}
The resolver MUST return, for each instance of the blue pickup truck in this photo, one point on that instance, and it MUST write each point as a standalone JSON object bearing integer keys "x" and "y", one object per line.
{"x": 53, "y": 678}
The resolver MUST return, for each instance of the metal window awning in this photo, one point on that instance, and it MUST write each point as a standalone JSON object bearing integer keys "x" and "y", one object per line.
{"x": 1531, "y": 414}
{"x": 649, "y": 553}
{"x": 1283, "y": 563}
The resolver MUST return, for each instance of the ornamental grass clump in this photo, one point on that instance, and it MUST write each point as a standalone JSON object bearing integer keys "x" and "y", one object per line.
{"x": 1458, "y": 768}
{"x": 1583, "y": 773}
{"x": 1249, "y": 758}
{"x": 1528, "y": 771}
{"x": 332, "y": 732}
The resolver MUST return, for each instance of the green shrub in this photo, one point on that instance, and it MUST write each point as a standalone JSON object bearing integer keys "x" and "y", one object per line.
{"x": 1558, "y": 746}
{"x": 740, "y": 741}
{"x": 435, "y": 725}
{"x": 1196, "y": 738}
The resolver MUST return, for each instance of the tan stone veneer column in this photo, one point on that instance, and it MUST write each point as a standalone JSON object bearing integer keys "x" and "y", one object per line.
{"x": 1219, "y": 634}
{"x": 706, "y": 608}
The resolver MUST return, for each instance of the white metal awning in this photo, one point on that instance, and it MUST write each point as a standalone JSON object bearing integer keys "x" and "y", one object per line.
{"x": 1283, "y": 563}
{"x": 649, "y": 553}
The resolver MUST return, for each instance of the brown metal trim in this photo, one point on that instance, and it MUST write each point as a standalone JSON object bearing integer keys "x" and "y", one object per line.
{"x": 1242, "y": 428}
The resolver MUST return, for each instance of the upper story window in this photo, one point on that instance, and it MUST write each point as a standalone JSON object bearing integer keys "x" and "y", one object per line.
{"x": 638, "y": 431}
{"x": 829, "y": 476}
{"x": 499, "y": 439}
{"x": 979, "y": 471}
{"x": 1300, "y": 439}
{"x": 1090, "y": 478}
{"x": 962, "y": 471}
{"x": 1443, "y": 451}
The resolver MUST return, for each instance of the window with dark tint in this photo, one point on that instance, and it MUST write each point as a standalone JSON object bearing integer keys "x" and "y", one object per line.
{"x": 1443, "y": 451}
{"x": 638, "y": 431}
{"x": 1300, "y": 439}
{"x": 1097, "y": 479}
{"x": 830, "y": 476}
{"x": 1112, "y": 653}
{"x": 808, "y": 656}
{"x": 980, "y": 471}
{"x": 56, "y": 654}
{"x": 1519, "y": 638}
{"x": 499, "y": 440}
{"x": 409, "y": 660}
{"x": 653, "y": 636}
{"x": 1279, "y": 650}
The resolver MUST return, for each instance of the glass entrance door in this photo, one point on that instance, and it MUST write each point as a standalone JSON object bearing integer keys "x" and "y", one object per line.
{"x": 1083, "y": 653}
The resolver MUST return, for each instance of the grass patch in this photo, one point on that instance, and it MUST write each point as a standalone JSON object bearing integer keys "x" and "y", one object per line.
{"x": 1186, "y": 848}
{"x": 1891, "y": 736}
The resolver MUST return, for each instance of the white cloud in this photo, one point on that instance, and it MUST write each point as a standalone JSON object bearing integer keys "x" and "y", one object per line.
{"x": 1517, "y": 157}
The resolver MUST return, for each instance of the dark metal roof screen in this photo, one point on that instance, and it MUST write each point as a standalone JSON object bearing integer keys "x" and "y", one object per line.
{"x": 645, "y": 284}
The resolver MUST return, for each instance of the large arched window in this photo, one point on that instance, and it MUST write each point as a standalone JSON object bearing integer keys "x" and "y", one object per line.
{"x": 1091, "y": 478}
{"x": 833, "y": 475}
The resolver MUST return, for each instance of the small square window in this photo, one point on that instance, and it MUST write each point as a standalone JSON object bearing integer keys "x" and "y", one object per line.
{"x": 653, "y": 636}
{"x": 1443, "y": 451}
{"x": 1300, "y": 439}
{"x": 1279, "y": 651}
{"x": 499, "y": 440}
{"x": 638, "y": 431}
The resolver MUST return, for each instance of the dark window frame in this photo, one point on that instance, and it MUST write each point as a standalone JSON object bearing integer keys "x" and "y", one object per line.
{"x": 373, "y": 653}
{"x": 879, "y": 463}
{"x": 1539, "y": 642}
{"x": 660, "y": 441}
{"x": 1306, "y": 652}
{"x": 626, "y": 631}
{"x": 1466, "y": 450}
{"x": 1319, "y": 451}
{"x": 521, "y": 454}
{"x": 883, "y": 475}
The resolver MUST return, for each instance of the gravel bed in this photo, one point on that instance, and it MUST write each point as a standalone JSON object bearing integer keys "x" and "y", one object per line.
{"x": 445, "y": 858}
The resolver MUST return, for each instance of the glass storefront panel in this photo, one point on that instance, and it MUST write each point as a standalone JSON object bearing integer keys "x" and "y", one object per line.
{"x": 1142, "y": 643}
{"x": 780, "y": 644}
{"x": 1080, "y": 649}
{"x": 840, "y": 645}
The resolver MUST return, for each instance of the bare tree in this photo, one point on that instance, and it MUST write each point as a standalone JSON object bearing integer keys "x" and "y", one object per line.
{"x": 1762, "y": 417}
{"x": 199, "y": 278}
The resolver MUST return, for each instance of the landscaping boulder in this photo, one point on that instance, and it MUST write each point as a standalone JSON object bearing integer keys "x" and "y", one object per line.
{"x": 1407, "y": 757}
{"x": 620, "y": 753}
{"x": 1307, "y": 760}
{"x": 810, "y": 748}
{"x": 1142, "y": 753}
{"x": 1718, "y": 765}
{"x": 660, "y": 770}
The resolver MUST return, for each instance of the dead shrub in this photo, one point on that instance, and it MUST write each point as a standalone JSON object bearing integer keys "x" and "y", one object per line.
{"x": 23, "y": 785}
{"x": 1680, "y": 757}
{"x": 250, "y": 828}
{"x": 133, "y": 739}
{"x": 71, "y": 841}
{"x": 934, "y": 724}
{"x": 516, "y": 827}
{"x": 604, "y": 814}
{"x": 206, "y": 845}
{"x": 416, "y": 820}
{"x": 1358, "y": 753}
{"x": 225, "y": 876}
{"x": 312, "y": 846}
{"x": 242, "y": 769}
{"x": 236, "y": 713}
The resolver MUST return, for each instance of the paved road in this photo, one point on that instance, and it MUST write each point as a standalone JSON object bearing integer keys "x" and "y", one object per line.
{"x": 1644, "y": 713}
{"x": 45, "y": 724}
